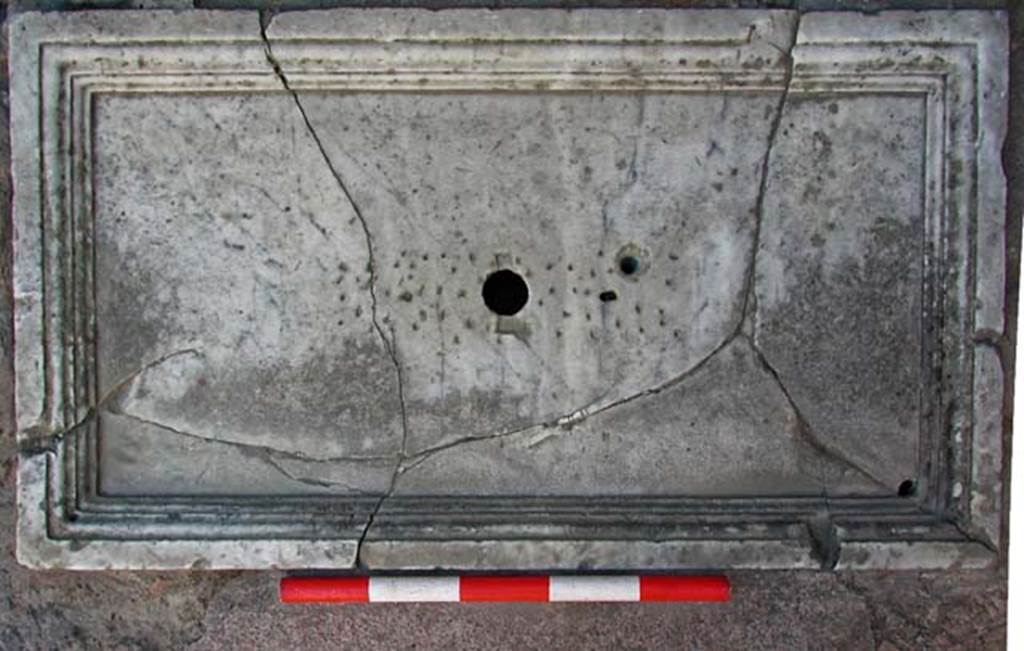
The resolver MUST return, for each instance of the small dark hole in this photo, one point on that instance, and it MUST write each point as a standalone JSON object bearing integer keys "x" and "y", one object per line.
{"x": 607, "y": 296}
{"x": 907, "y": 488}
{"x": 629, "y": 265}
{"x": 505, "y": 292}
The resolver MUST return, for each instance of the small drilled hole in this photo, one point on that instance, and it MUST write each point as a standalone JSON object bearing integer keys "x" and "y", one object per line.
{"x": 607, "y": 296}
{"x": 629, "y": 264}
{"x": 907, "y": 488}
{"x": 505, "y": 292}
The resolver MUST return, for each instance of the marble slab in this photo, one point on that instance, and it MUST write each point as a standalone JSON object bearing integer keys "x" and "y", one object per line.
{"x": 518, "y": 289}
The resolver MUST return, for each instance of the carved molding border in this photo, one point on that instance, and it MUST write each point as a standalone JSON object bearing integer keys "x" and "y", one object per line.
{"x": 60, "y": 68}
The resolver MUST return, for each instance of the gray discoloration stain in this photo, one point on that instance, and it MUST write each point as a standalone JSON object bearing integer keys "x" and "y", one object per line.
{"x": 839, "y": 280}
{"x": 684, "y": 430}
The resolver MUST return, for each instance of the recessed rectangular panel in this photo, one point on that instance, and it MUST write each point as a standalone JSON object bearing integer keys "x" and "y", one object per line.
{"x": 509, "y": 290}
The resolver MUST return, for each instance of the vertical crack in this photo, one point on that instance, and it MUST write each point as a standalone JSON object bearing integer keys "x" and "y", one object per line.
{"x": 749, "y": 298}
{"x": 372, "y": 262}
{"x": 390, "y": 344}
{"x": 824, "y": 540}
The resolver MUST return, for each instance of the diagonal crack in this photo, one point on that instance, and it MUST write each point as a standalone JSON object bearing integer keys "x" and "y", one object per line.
{"x": 264, "y": 453}
{"x": 309, "y": 481}
{"x": 129, "y": 379}
{"x": 423, "y": 455}
{"x": 968, "y": 532}
{"x": 571, "y": 419}
{"x": 371, "y": 266}
{"x": 42, "y": 442}
{"x": 567, "y": 421}
{"x": 372, "y": 518}
{"x": 804, "y": 430}
{"x": 389, "y": 344}
{"x": 253, "y": 448}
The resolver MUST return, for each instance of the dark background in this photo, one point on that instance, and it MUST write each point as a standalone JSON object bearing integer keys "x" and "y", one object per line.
{"x": 239, "y": 610}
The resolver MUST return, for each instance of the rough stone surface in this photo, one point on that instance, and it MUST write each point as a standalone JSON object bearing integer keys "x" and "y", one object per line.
{"x": 772, "y": 610}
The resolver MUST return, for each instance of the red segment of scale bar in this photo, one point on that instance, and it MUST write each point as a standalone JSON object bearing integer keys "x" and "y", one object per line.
{"x": 619, "y": 588}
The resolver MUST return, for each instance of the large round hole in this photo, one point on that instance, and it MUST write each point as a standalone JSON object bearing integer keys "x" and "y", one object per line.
{"x": 505, "y": 292}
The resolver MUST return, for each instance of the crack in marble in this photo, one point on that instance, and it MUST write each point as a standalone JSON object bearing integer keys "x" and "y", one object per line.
{"x": 47, "y": 442}
{"x": 253, "y": 448}
{"x": 577, "y": 416}
{"x": 370, "y": 520}
{"x": 406, "y": 462}
{"x": 749, "y": 297}
{"x": 310, "y": 481}
{"x": 390, "y": 345}
{"x": 583, "y": 413}
{"x": 126, "y": 382}
{"x": 803, "y": 428}
{"x": 421, "y": 456}
{"x": 567, "y": 421}
{"x": 748, "y": 312}
{"x": 993, "y": 339}
{"x": 110, "y": 403}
